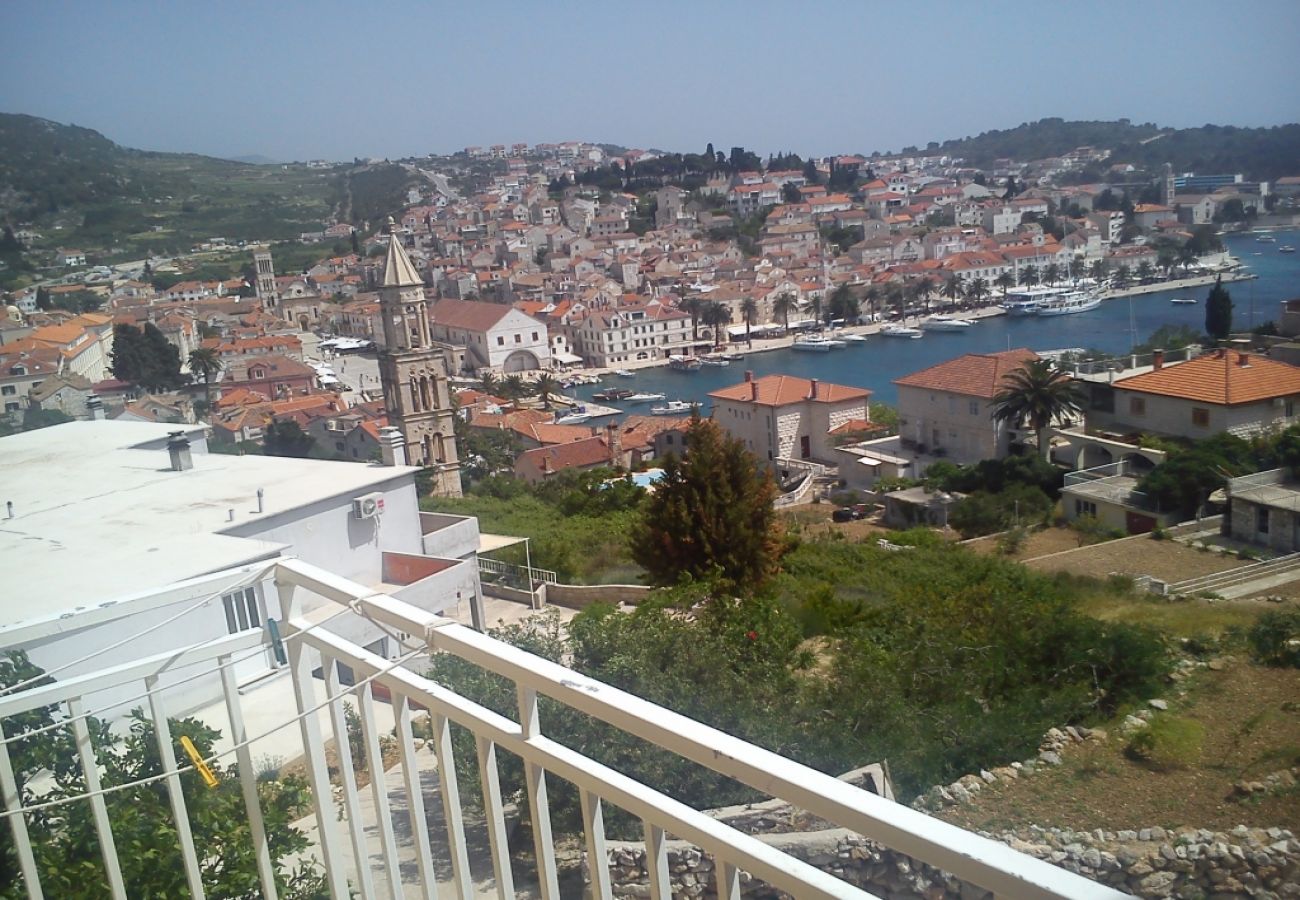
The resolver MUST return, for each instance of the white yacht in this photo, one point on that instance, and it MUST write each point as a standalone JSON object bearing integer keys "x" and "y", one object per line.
{"x": 643, "y": 397}
{"x": 818, "y": 343}
{"x": 1069, "y": 303}
{"x": 901, "y": 331}
{"x": 852, "y": 338}
{"x": 1183, "y": 301}
{"x": 946, "y": 323}
{"x": 673, "y": 407}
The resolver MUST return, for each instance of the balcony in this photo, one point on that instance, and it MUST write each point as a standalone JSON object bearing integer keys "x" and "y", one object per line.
{"x": 374, "y": 841}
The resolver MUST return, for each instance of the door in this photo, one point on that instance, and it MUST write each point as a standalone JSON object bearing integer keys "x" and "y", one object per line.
{"x": 805, "y": 447}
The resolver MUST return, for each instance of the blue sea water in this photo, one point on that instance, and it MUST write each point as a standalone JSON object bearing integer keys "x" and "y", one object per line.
{"x": 1113, "y": 327}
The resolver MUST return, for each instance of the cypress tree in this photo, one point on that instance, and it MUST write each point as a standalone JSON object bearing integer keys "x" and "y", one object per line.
{"x": 1218, "y": 311}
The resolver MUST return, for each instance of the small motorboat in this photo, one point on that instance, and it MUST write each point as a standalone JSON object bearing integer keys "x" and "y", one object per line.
{"x": 1286, "y": 248}
{"x": 673, "y": 407}
{"x": 902, "y": 331}
{"x": 612, "y": 394}
{"x": 575, "y": 416}
{"x": 623, "y": 373}
{"x": 643, "y": 397}
{"x": 684, "y": 364}
{"x": 946, "y": 323}
{"x": 1266, "y": 239}
{"x": 850, "y": 338}
{"x": 1183, "y": 301}
{"x": 714, "y": 359}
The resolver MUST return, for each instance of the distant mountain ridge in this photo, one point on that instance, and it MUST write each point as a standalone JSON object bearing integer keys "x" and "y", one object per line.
{"x": 1259, "y": 153}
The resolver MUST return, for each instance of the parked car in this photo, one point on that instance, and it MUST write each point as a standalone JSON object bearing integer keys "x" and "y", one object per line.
{"x": 850, "y": 513}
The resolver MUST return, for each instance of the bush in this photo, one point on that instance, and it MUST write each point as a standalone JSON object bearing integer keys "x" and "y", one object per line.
{"x": 1011, "y": 542}
{"x": 1274, "y": 639}
{"x": 1159, "y": 534}
{"x": 1168, "y": 743}
{"x": 1091, "y": 530}
{"x": 984, "y": 512}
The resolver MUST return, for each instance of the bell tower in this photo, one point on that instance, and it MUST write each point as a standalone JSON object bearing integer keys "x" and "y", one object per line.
{"x": 264, "y": 270}
{"x": 413, "y": 371}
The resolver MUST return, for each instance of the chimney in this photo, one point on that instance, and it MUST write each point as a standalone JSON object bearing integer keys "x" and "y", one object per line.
{"x": 812, "y": 394}
{"x": 392, "y": 449}
{"x": 9, "y": 509}
{"x": 1243, "y": 360}
{"x": 178, "y": 448}
{"x": 749, "y": 374}
{"x": 261, "y": 500}
{"x": 95, "y": 408}
{"x": 753, "y": 391}
{"x": 1157, "y": 359}
{"x": 546, "y": 464}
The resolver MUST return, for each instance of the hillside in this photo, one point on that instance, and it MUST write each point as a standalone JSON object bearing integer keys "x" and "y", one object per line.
{"x": 1260, "y": 153}
{"x": 78, "y": 188}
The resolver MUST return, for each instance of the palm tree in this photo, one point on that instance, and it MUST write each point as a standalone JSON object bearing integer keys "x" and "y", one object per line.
{"x": 749, "y": 309}
{"x": 544, "y": 387}
{"x": 952, "y": 288}
{"x": 844, "y": 305}
{"x": 489, "y": 382}
{"x": 716, "y": 315}
{"x": 1029, "y": 276}
{"x": 1144, "y": 271}
{"x": 1122, "y": 275}
{"x": 1187, "y": 256}
{"x": 977, "y": 290}
{"x": 206, "y": 363}
{"x": 1004, "y": 282}
{"x": 782, "y": 306}
{"x": 872, "y": 296}
{"x": 1052, "y": 273}
{"x": 1075, "y": 269}
{"x": 693, "y": 305}
{"x": 1038, "y": 393}
{"x": 514, "y": 387}
{"x": 1167, "y": 259}
{"x": 817, "y": 307}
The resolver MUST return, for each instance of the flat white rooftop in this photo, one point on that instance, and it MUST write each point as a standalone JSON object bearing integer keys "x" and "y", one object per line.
{"x": 98, "y": 516}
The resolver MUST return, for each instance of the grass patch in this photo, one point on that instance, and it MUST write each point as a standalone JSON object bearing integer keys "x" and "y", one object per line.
{"x": 1183, "y": 619}
{"x": 1168, "y": 743}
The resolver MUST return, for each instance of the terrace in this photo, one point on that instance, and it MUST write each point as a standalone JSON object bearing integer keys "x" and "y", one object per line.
{"x": 378, "y": 847}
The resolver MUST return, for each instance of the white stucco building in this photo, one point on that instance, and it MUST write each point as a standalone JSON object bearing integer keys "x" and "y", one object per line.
{"x": 497, "y": 337}
{"x": 785, "y": 417}
{"x": 147, "y": 510}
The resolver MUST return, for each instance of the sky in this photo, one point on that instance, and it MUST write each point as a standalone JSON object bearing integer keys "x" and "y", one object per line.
{"x": 296, "y": 80}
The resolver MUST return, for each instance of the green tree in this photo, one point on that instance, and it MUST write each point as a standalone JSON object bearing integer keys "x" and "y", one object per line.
{"x": 545, "y": 387}
{"x": 1145, "y": 271}
{"x": 514, "y": 387}
{"x": 1004, "y": 282}
{"x": 1097, "y": 271}
{"x": 1051, "y": 273}
{"x": 952, "y": 288}
{"x": 1218, "y": 311}
{"x": 977, "y": 290}
{"x": 782, "y": 306}
{"x": 693, "y": 306}
{"x": 1186, "y": 479}
{"x": 1029, "y": 276}
{"x": 206, "y": 363}
{"x": 63, "y": 837}
{"x": 1038, "y": 393}
{"x": 286, "y": 438}
{"x": 844, "y": 305}
{"x": 489, "y": 382}
{"x": 749, "y": 309}
{"x": 1123, "y": 275}
{"x": 710, "y": 515}
{"x": 716, "y": 315}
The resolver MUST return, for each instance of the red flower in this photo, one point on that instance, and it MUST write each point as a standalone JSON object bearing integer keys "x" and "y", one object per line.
{"x": 752, "y": 635}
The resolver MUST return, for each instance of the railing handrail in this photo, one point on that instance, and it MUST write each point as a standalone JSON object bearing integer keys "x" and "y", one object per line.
{"x": 1237, "y": 575}
{"x": 981, "y": 861}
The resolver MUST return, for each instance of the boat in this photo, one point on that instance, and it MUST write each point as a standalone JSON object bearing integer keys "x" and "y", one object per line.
{"x": 1286, "y": 248}
{"x": 732, "y": 357}
{"x": 612, "y": 394}
{"x": 714, "y": 359}
{"x": 1069, "y": 303}
{"x": 901, "y": 331}
{"x": 1183, "y": 301}
{"x": 643, "y": 397}
{"x": 672, "y": 407}
{"x": 853, "y": 338}
{"x": 946, "y": 323}
{"x": 818, "y": 343}
{"x": 1266, "y": 239}
{"x": 623, "y": 373}
{"x": 684, "y": 364}
{"x": 575, "y": 416}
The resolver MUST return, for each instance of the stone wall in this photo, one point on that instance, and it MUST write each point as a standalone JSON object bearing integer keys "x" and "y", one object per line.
{"x": 1150, "y": 863}
{"x": 580, "y": 596}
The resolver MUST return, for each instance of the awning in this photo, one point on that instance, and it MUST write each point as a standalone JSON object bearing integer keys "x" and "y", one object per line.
{"x": 566, "y": 359}
{"x": 489, "y": 542}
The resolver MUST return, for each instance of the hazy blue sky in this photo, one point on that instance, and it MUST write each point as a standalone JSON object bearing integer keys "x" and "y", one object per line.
{"x": 297, "y": 80}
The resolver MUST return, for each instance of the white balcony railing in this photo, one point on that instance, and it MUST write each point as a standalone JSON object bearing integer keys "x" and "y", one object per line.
{"x": 344, "y": 836}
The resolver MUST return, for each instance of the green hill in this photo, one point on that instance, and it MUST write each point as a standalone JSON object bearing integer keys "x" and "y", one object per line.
{"x": 1259, "y": 153}
{"x": 78, "y": 188}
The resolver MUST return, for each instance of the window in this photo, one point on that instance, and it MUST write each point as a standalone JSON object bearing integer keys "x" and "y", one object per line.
{"x": 501, "y": 341}
{"x": 1137, "y": 406}
{"x": 1290, "y": 409}
{"x": 974, "y": 407}
{"x": 519, "y": 339}
{"x": 242, "y": 610}
{"x": 1261, "y": 520}
{"x": 1200, "y": 417}
{"x": 12, "y": 407}
{"x": 8, "y": 390}
{"x": 1085, "y": 508}
{"x": 534, "y": 335}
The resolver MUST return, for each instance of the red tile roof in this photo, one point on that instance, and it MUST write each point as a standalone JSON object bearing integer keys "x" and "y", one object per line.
{"x": 1223, "y": 378}
{"x": 973, "y": 375}
{"x": 783, "y": 390}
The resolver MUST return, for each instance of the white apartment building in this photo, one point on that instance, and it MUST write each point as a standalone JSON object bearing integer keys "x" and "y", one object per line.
{"x": 607, "y": 338}
{"x": 1000, "y": 219}
{"x": 495, "y": 336}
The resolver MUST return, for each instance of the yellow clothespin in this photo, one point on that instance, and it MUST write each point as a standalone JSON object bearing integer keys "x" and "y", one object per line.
{"x": 199, "y": 765}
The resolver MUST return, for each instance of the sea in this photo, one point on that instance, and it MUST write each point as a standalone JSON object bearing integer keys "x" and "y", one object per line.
{"x": 1114, "y": 327}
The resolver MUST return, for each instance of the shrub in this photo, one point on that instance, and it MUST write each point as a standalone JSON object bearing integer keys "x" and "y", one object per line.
{"x": 1247, "y": 553}
{"x": 1274, "y": 639}
{"x": 1011, "y": 542}
{"x": 1159, "y": 534}
{"x": 1091, "y": 530}
{"x": 1168, "y": 743}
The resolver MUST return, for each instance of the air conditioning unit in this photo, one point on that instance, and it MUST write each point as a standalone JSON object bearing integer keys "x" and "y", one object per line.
{"x": 368, "y": 506}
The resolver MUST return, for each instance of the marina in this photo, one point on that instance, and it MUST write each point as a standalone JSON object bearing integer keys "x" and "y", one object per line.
{"x": 1113, "y": 327}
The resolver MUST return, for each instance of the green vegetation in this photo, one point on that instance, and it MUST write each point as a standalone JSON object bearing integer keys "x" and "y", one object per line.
{"x": 62, "y": 837}
{"x": 145, "y": 357}
{"x": 1275, "y": 638}
{"x": 1189, "y": 475}
{"x": 1218, "y": 311}
{"x": 710, "y": 516}
{"x": 1002, "y": 493}
{"x": 1261, "y": 153}
{"x": 1038, "y": 394}
{"x": 1168, "y": 742}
